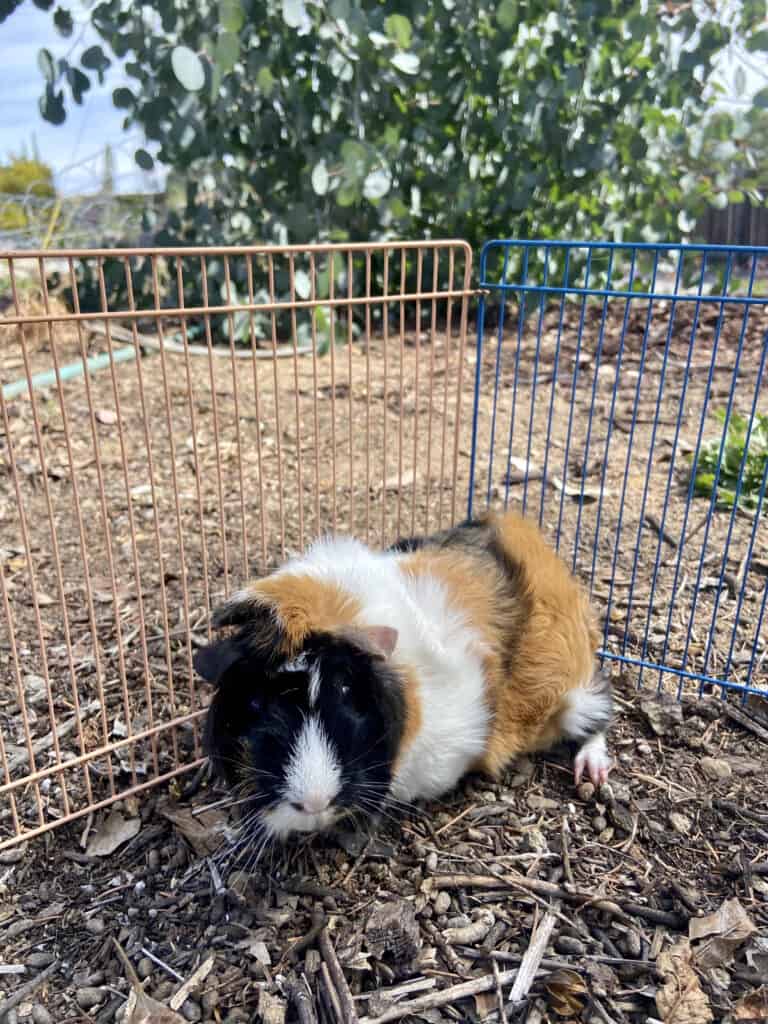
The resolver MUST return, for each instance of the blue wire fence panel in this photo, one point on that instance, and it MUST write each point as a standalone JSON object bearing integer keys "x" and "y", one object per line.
{"x": 621, "y": 400}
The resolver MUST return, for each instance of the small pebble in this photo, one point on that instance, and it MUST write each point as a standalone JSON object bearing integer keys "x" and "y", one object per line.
{"x": 442, "y": 903}
{"x": 432, "y": 861}
{"x": 40, "y": 1015}
{"x": 153, "y": 860}
{"x": 605, "y": 793}
{"x": 95, "y": 925}
{"x": 210, "y": 1001}
{"x": 144, "y": 967}
{"x": 191, "y": 1011}
{"x": 599, "y": 823}
{"x": 715, "y": 768}
{"x": 39, "y": 959}
{"x": 567, "y": 944}
{"x": 586, "y": 791}
{"x": 680, "y": 823}
{"x": 541, "y": 803}
{"x": 89, "y": 997}
{"x": 621, "y": 817}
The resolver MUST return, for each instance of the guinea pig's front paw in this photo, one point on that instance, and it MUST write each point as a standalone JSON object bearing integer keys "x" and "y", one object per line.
{"x": 593, "y": 756}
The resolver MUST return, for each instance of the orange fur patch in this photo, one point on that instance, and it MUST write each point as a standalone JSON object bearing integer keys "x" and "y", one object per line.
{"x": 302, "y": 605}
{"x": 413, "y": 714}
{"x": 537, "y": 631}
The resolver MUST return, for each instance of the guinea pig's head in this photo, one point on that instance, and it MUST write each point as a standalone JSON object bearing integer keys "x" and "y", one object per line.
{"x": 307, "y": 739}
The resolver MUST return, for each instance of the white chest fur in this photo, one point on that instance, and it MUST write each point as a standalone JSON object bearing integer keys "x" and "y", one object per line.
{"x": 443, "y": 656}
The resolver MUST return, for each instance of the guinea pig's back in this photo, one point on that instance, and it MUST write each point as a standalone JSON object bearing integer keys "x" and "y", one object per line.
{"x": 531, "y": 616}
{"x": 554, "y": 653}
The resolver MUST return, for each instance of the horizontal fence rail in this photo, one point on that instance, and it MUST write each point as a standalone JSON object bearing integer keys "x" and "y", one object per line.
{"x": 174, "y": 422}
{"x": 605, "y": 375}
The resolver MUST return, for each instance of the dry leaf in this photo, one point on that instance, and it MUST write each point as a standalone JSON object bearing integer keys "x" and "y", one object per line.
{"x": 681, "y": 1000}
{"x": 140, "y": 1008}
{"x": 585, "y": 494}
{"x": 724, "y": 930}
{"x": 106, "y": 416}
{"x": 754, "y": 1006}
{"x": 113, "y": 832}
{"x": 394, "y": 482}
{"x": 566, "y": 992}
{"x": 203, "y": 831}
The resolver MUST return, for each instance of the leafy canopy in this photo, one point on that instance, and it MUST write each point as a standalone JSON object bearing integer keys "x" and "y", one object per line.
{"x": 292, "y": 120}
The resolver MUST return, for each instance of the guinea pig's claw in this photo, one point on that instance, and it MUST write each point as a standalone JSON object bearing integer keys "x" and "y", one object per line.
{"x": 595, "y": 758}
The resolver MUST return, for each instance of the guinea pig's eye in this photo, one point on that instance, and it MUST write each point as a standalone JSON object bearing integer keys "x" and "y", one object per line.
{"x": 343, "y": 689}
{"x": 255, "y": 705}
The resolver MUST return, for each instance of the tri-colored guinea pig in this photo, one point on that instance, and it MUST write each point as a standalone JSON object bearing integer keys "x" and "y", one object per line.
{"x": 354, "y": 676}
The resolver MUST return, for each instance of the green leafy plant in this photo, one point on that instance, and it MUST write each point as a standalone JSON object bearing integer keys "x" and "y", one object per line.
{"x": 745, "y": 441}
{"x": 295, "y": 121}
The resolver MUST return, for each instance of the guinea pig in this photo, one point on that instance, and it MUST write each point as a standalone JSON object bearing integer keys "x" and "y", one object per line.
{"x": 354, "y": 677}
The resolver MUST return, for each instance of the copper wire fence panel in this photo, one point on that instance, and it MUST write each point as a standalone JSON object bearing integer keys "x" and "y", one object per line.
{"x": 238, "y": 402}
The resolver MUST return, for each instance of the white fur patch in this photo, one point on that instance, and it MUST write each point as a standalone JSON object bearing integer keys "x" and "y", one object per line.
{"x": 298, "y": 664}
{"x": 313, "y": 781}
{"x": 314, "y": 685}
{"x": 314, "y": 773}
{"x": 588, "y": 711}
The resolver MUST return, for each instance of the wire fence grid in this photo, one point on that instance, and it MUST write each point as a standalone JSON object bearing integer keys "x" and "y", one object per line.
{"x": 136, "y": 497}
{"x": 159, "y": 451}
{"x": 605, "y": 375}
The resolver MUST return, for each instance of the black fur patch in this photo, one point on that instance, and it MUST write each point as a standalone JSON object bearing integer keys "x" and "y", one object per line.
{"x": 259, "y": 710}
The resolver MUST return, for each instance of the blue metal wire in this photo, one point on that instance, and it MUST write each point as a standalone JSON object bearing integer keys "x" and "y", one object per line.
{"x": 548, "y": 279}
{"x": 595, "y": 375}
{"x": 520, "y": 322}
{"x": 576, "y": 358}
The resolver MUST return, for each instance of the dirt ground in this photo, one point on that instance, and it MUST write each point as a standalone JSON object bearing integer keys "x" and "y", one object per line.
{"x": 217, "y": 473}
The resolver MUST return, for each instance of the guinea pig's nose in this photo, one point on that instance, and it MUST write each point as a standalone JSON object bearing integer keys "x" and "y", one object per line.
{"x": 316, "y": 803}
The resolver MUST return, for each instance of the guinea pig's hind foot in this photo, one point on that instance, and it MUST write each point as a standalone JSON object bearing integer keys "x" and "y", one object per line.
{"x": 593, "y": 755}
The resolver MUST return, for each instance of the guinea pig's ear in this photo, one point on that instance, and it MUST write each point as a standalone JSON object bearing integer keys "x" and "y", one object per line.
{"x": 379, "y": 641}
{"x": 212, "y": 661}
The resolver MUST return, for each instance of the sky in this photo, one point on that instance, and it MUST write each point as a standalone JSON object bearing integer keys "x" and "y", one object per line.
{"x": 76, "y": 149}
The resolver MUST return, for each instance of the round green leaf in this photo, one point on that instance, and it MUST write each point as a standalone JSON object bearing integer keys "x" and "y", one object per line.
{"x": 295, "y": 13}
{"x": 231, "y": 15}
{"x": 377, "y": 184}
{"x": 347, "y": 195}
{"x": 188, "y": 68}
{"x": 51, "y": 105}
{"x": 760, "y": 99}
{"x": 320, "y": 178}
{"x": 303, "y": 284}
{"x": 227, "y": 51}
{"x": 123, "y": 98}
{"x": 265, "y": 80}
{"x": 46, "y": 65}
{"x": 506, "y": 14}
{"x": 78, "y": 83}
{"x": 62, "y": 19}
{"x": 144, "y": 159}
{"x": 758, "y": 41}
{"x": 408, "y": 63}
{"x": 94, "y": 59}
{"x": 398, "y": 28}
